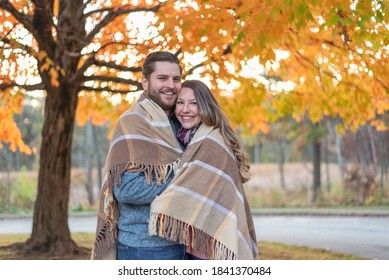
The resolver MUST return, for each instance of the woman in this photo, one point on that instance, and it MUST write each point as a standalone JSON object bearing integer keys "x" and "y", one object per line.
{"x": 205, "y": 205}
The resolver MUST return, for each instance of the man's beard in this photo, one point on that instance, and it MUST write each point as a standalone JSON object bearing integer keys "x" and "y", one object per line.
{"x": 155, "y": 96}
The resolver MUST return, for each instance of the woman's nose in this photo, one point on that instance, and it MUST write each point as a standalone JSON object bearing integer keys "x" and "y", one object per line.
{"x": 185, "y": 108}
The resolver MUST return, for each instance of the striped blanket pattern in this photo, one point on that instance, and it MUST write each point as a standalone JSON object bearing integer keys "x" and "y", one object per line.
{"x": 142, "y": 141}
{"x": 205, "y": 206}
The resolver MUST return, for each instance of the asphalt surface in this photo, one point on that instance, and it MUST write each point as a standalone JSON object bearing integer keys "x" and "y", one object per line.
{"x": 364, "y": 236}
{"x": 360, "y": 233}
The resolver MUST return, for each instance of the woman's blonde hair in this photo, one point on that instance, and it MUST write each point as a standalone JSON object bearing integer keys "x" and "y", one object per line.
{"x": 211, "y": 114}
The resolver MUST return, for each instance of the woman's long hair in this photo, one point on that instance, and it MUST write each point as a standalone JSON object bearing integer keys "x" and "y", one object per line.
{"x": 211, "y": 114}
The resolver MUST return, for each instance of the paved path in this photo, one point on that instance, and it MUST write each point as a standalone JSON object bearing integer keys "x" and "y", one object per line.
{"x": 362, "y": 233}
{"x": 11, "y": 224}
{"x": 359, "y": 236}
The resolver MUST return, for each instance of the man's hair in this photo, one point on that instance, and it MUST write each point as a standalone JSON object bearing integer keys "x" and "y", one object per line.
{"x": 152, "y": 58}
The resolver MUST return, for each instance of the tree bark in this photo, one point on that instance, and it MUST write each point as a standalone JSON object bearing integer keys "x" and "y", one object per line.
{"x": 383, "y": 140}
{"x": 89, "y": 161}
{"x": 363, "y": 154}
{"x": 316, "y": 169}
{"x": 257, "y": 150}
{"x": 372, "y": 144}
{"x": 339, "y": 157}
{"x": 50, "y": 232}
{"x": 99, "y": 161}
{"x": 327, "y": 164}
{"x": 281, "y": 162}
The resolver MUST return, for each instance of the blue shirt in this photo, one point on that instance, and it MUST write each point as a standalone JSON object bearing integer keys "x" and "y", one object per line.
{"x": 134, "y": 197}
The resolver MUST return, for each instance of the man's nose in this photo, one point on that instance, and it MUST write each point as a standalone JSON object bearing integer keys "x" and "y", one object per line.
{"x": 170, "y": 83}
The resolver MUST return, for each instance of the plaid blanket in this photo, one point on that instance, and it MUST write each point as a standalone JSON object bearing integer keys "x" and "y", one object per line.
{"x": 205, "y": 206}
{"x": 142, "y": 141}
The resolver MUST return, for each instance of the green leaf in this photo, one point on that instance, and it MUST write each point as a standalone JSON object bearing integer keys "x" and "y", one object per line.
{"x": 346, "y": 21}
{"x": 333, "y": 20}
{"x": 361, "y": 25}
{"x": 379, "y": 16}
{"x": 240, "y": 36}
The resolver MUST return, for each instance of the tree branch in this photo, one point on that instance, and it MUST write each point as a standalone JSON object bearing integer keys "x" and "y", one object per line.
{"x": 14, "y": 44}
{"x": 328, "y": 73}
{"x": 113, "y": 79}
{"x": 107, "y": 89}
{"x": 117, "y": 66}
{"x": 191, "y": 70}
{"x": 331, "y": 43}
{"x": 226, "y": 51}
{"x": 113, "y": 13}
{"x": 79, "y": 75}
{"x": 26, "y": 20}
{"x": 87, "y": 2}
{"x": 92, "y": 61}
{"x": 5, "y": 86}
{"x": 42, "y": 24}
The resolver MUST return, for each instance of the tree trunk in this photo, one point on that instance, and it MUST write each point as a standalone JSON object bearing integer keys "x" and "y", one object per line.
{"x": 98, "y": 159}
{"x": 281, "y": 162}
{"x": 50, "y": 232}
{"x": 316, "y": 169}
{"x": 89, "y": 161}
{"x": 257, "y": 150}
{"x": 327, "y": 164}
{"x": 383, "y": 140}
{"x": 363, "y": 155}
{"x": 9, "y": 181}
{"x": 339, "y": 157}
{"x": 372, "y": 141}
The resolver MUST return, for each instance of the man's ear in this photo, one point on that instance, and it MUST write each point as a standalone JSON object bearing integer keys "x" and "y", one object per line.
{"x": 145, "y": 84}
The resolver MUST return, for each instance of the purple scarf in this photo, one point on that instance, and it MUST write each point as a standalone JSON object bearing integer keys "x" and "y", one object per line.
{"x": 185, "y": 135}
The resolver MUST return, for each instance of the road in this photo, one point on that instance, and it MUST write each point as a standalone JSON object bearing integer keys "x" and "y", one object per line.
{"x": 367, "y": 237}
{"x": 10, "y": 224}
{"x": 364, "y": 236}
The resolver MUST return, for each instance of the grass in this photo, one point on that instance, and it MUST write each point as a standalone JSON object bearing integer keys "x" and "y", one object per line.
{"x": 264, "y": 189}
{"x": 279, "y": 251}
{"x": 268, "y": 250}
{"x": 300, "y": 198}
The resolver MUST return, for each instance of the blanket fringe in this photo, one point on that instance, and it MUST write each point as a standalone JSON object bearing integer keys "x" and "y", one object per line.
{"x": 105, "y": 244}
{"x": 107, "y": 235}
{"x": 175, "y": 230}
{"x": 159, "y": 172}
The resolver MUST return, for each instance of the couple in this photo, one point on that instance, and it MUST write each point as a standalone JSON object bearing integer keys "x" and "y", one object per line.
{"x": 172, "y": 186}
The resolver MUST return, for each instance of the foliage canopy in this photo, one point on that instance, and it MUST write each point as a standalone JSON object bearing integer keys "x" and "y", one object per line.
{"x": 334, "y": 53}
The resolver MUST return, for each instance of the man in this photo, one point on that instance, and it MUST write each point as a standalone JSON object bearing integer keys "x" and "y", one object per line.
{"x": 141, "y": 161}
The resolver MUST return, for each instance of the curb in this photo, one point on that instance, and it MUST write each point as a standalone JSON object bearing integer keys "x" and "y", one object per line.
{"x": 254, "y": 212}
{"x": 29, "y": 216}
{"x": 320, "y": 212}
